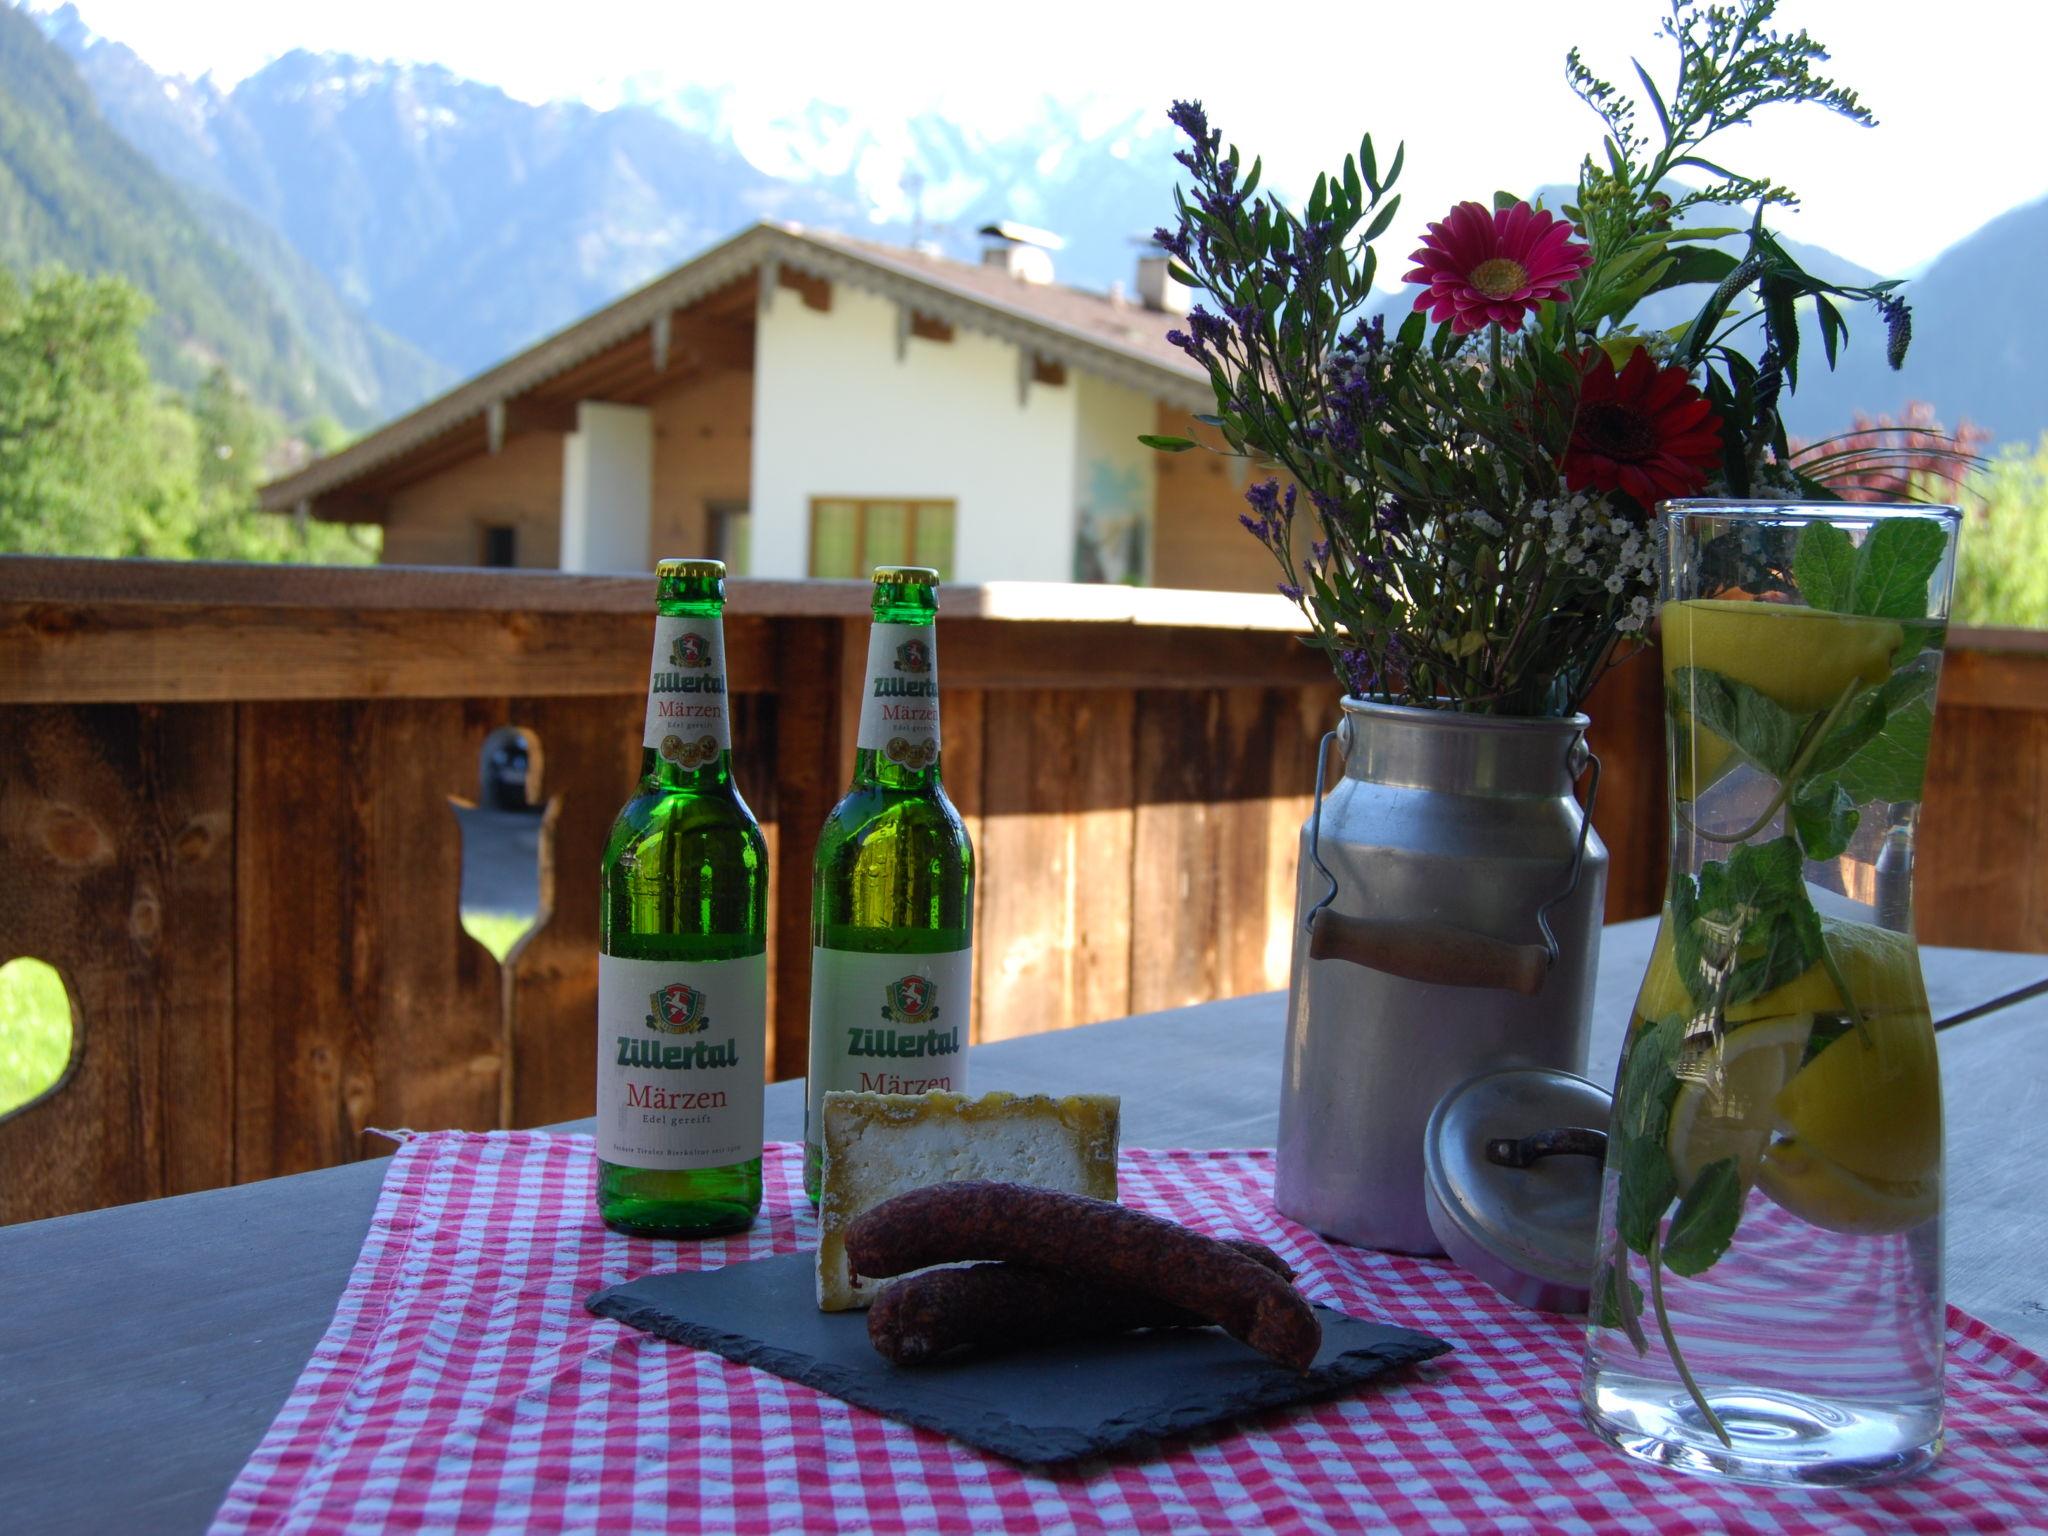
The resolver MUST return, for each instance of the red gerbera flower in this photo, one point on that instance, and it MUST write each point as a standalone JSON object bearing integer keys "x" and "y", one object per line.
{"x": 1482, "y": 266}
{"x": 1645, "y": 431}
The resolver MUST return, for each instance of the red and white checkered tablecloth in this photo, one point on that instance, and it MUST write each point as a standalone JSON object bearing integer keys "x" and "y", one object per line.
{"x": 462, "y": 1388}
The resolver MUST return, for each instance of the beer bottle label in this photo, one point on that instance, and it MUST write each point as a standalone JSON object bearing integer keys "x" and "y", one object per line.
{"x": 887, "y": 1024}
{"x": 681, "y": 1063}
{"x": 899, "y": 708}
{"x": 686, "y": 720}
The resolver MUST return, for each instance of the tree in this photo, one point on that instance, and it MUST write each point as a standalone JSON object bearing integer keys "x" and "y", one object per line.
{"x": 82, "y": 467}
{"x": 2002, "y": 554}
{"x": 97, "y": 459}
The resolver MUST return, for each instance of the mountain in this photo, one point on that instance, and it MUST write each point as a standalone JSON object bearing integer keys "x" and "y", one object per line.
{"x": 1980, "y": 344}
{"x": 464, "y": 220}
{"x": 74, "y": 192}
{"x": 472, "y": 223}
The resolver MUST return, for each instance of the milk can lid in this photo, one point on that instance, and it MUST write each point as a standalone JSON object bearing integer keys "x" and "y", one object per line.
{"x": 1512, "y": 1163}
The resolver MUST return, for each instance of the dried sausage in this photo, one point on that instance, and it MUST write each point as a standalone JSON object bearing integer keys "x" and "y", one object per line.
{"x": 984, "y": 1306}
{"x": 1093, "y": 1240}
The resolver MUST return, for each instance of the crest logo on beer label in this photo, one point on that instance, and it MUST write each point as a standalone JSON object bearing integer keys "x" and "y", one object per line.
{"x": 911, "y": 754}
{"x": 690, "y": 650}
{"x": 913, "y": 656}
{"x": 695, "y": 753}
{"x": 911, "y": 1000}
{"x": 678, "y": 1010}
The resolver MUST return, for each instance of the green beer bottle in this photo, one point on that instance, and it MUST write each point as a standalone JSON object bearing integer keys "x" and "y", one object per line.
{"x": 892, "y": 891}
{"x": 682, "y": 978}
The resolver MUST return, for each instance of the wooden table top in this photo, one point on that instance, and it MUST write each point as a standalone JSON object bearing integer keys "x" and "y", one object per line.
{"x": 144, "y": 1349}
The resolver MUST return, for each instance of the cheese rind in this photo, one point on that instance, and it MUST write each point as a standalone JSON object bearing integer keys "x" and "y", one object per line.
{"x": 880, "y": 1144}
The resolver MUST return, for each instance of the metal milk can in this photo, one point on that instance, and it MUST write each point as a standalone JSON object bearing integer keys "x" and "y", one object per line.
{"x": 1447, "y": 923}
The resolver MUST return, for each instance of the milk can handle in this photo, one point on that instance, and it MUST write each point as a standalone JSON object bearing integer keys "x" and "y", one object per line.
{"x": 1444, "y": 953}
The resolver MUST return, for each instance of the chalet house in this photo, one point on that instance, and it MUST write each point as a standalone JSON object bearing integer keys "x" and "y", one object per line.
{"x": 801, "y": 403}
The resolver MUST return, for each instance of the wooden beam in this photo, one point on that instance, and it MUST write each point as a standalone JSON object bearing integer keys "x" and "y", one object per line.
{"x": 816, "y": 291}
{"x": 508, "y": 418}
{"x": 929, "y": 327}
{"x": 1046, "y": 371}
{"x": 344, "y": 507}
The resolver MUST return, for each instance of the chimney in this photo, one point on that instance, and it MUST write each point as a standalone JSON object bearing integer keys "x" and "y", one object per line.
{"x": 1157, "y": 287}
{"x": 1018, "y": 249}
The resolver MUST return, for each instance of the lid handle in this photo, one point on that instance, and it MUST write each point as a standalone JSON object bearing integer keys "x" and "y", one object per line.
{"x": 1417, "y": 950}
{"x": 1563, "y": 1140}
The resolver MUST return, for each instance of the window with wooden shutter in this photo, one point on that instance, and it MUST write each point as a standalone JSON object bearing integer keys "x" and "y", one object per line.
{"x": 850, "y": 537}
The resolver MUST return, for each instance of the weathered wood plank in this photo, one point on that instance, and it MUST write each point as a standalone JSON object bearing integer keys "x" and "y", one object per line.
{"x": 963, "y": 728}
{"x": 1298, "y": 728}
{"x": 1632, "y": 815}
{"x": 1987, "y": 797}
{"x": 810, "y": 776}
{"x": 438, "y": 1055}
{"x": 359, "y": 999}
{"x": 993, "y": 653}
{"x": 1022, "y": 925}
{"x": 1101, "y": 817}
{"x": 1175, "y": 850}
{"x": 116, "y": 832}
{"x": 137, "y": 653}
{"x": 1238, "y": 789}
{"x": 1054, "y": 924}
{"x": 592, "y": 750}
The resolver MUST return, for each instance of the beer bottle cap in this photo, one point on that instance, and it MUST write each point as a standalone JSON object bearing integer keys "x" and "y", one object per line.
{"x": 715, "y": 569}
{"x": 906, "y": 576}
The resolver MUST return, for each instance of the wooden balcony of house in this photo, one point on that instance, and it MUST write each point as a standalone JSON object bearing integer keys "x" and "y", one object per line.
{"x": 228, "y": 819}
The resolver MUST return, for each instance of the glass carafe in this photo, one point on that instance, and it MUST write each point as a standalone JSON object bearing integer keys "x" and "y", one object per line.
{"x": 1767, "y": 1302}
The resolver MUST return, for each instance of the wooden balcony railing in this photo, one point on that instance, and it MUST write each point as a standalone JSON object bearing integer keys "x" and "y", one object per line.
{"x": 225, "y": 819}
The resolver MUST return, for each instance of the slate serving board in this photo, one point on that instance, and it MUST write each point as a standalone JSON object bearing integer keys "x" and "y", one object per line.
{"x": 1037, "y": 1405}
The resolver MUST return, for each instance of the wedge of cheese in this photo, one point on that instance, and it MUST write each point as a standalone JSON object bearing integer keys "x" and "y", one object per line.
{"x": 881, "y": 1144}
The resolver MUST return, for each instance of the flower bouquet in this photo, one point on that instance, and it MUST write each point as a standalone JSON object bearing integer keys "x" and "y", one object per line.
{"x": 1466, "y": 510}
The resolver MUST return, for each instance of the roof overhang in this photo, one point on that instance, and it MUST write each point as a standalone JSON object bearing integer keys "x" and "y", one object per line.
{"x": 761, "y": 251}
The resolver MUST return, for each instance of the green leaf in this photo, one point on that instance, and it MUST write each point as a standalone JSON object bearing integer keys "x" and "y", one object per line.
{"x": 1705, "y": 1220}
{"x": 1824, "y": 565}
{"x": 1656, "y": 99}
{"x": 1893, "y": 765}
{"x": 1647, "y": 1188}
{"x": 1694, "y": 264}
{"x": 1617, "y": 1302}
{"x": 1823, "y": 818}
{"x": 1755, "y": 724}
{"x": 1744, "y": 925}
{"x": 1864, "y": 720}
{"x": 1642, "y": 1108}
{"x": 1382, "y": 219}
{"x": 1166, "y": 444}
{"x": 1893, "y": 567}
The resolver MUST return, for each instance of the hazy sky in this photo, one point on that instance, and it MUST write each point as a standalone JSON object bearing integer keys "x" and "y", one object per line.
{"x": 1474, "y": 86}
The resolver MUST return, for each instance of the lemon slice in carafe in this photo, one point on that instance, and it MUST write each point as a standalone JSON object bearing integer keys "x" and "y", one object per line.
{"x": 1726, "y": 1104}
{"x": 1802, "y": 658}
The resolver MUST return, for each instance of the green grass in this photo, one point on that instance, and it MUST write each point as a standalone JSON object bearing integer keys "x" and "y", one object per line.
{"x": 497, "y": 931}
{"x": 35, "y": 1031}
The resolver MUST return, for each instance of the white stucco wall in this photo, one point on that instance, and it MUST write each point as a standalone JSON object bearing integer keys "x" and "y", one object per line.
{"x": 607, "y": 488}
{"x": 1115, "y": 475}
{"x": 836, "y": 414}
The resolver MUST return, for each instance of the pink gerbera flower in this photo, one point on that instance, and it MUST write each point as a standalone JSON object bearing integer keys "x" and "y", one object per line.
{"x": 1496, "y": 267}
